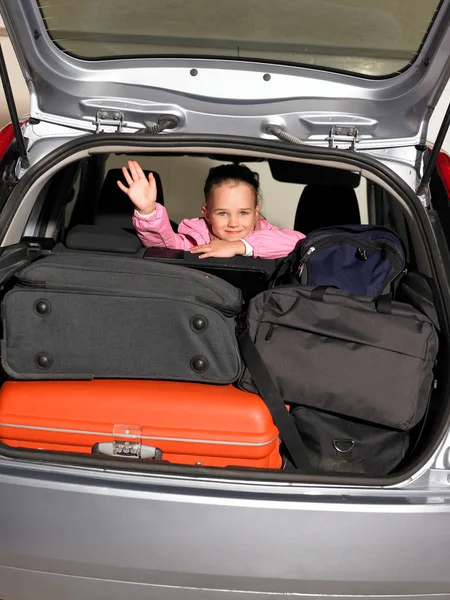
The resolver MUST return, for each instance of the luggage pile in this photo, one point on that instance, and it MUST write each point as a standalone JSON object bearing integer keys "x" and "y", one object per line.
{"x": 327, "y": 358}
{"x": 354, "y": 365}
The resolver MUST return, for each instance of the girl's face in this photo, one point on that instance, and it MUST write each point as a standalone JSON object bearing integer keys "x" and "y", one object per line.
{"x": 231, "y": 211}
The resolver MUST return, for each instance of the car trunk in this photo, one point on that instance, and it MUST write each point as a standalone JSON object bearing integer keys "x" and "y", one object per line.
{"x": 36, "y": 209}
{"x": 305, "y": 93}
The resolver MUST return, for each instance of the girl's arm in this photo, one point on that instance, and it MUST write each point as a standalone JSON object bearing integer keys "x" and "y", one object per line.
{"x": 150, "y": 219}
{"x": 156, "y": 230}
{"x": 272, "y": 242}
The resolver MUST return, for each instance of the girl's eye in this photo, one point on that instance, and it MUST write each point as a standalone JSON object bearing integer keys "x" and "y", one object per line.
{"x": 244, "y": 213}
{"x": 222, "y": 214}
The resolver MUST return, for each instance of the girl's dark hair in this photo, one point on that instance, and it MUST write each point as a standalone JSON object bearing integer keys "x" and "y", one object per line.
{"x": 230, "y": 173}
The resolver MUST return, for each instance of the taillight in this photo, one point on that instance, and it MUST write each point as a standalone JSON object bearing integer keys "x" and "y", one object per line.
{"x": 7, "y": 137}
{"x": 443, "y": 167}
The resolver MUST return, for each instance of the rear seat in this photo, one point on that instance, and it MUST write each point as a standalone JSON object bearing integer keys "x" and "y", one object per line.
{"x": 113, "y": 231}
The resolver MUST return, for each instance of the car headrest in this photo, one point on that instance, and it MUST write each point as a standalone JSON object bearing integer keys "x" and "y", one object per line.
{"x": 325, "y": 206}
{"x": 100, "y": 239}
{"x": 306, "y": 174}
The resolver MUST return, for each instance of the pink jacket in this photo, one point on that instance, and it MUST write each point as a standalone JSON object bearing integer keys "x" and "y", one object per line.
{"x": 266, "y": 240}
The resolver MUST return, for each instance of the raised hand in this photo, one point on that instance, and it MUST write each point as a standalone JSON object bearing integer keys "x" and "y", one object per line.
{"x": 142, "y": 192}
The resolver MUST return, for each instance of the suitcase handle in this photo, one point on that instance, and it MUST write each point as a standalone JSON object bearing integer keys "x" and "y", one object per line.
{"x": 127, "y": 450}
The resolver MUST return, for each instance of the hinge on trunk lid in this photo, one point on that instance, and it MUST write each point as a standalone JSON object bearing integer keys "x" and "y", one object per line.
{"x": 105, "y": 120}
{"x": 341, "y": 135}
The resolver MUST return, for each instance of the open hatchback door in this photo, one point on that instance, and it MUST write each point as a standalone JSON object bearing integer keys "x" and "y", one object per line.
{"x": 369, "y": 71}
{"x": 139, "y": 453}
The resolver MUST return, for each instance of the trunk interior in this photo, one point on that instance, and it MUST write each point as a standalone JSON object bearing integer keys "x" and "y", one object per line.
{"x": 75, "y": 208}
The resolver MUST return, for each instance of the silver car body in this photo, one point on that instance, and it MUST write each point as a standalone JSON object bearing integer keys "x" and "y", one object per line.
{"x": 68, "y": 531}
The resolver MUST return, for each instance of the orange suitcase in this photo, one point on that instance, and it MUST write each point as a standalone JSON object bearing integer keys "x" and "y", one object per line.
{"x": 184, "y": 423}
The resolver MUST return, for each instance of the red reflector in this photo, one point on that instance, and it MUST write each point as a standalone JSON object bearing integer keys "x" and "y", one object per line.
{"x": 7, "y": 137}
{"x": 443, "y": 166}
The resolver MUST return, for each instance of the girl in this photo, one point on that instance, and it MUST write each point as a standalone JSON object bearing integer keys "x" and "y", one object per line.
{"x": 231, "y": 223}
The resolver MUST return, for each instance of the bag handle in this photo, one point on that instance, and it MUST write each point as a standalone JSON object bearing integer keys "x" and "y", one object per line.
{"x": 383, "y": 304}
{"x": 266, "y": 387}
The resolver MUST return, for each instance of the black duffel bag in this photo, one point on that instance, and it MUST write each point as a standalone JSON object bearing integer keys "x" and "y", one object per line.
{"x": 368, "y": 359}
{"x": 349, "y": 357}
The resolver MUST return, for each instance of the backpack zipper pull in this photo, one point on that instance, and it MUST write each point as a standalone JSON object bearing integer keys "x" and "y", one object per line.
{"x": 304, "y": 259}
{"x": 361, "y": 254}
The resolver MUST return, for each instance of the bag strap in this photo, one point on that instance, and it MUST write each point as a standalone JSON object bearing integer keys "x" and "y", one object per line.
{"x": 266, "y": 387}
{"x": 418, "y": 300}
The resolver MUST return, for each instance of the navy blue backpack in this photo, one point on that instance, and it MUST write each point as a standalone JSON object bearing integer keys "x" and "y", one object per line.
{"x": 362, "y": 259}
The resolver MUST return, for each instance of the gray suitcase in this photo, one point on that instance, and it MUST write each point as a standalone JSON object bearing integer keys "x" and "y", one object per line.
{"x": 87, "y": 315}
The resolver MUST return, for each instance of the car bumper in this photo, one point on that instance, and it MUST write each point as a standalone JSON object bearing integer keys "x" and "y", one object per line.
{"x": 71, "y": 534}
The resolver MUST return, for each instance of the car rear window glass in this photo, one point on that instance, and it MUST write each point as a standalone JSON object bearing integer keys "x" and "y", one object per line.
{"x": 368, "y": 37}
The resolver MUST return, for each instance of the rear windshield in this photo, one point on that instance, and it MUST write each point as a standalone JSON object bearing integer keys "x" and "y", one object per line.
{"x": 368, "y": 37}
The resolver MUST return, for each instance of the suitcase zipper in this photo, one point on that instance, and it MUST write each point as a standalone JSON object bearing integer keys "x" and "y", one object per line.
{"x": 28, "y": 284}
{"x": 226, "y": 311}
{"x": 361, "y": 244}
{"x": 218, "y": 286}
{"x": 158, "y": 438}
